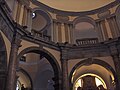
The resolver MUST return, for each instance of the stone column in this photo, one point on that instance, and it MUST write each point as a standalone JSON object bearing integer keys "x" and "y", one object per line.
{"x": 64, "y": 65}
{"x": 57, "y": 83}
{"x": 54, "y": 31}
{"x": 116, "y": 60}
{"x": 18, "y": 11}
{"x": 104, "y": 29}
{"x": 110, "y": 22}
{"x": 59, "y": 32}
{"x": 116, "y": 26}
{"x": 21, "y": 14}
{"x": 29, "y": 19}
{"x": 71, "y": 33}
{"x": 113, "y": 26}
{"x": 11, "y": 77}
{"x": 66, "y": 32}
{"x": 99, "y": 30}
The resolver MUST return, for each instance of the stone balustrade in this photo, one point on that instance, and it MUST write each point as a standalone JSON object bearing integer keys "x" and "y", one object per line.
{"x": 86, "y": 41}
{"x": 40, "y": 35}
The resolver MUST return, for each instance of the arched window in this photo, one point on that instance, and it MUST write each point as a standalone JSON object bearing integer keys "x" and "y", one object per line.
{"x": 84, "y": 28}
{"x": 41, "y": 24}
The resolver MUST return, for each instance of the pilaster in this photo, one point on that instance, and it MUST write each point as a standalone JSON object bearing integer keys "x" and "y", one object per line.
{"x": 59, "y": 32}
{"x": 64, "y": 65}
{"x": 99, "y": 30}
{"x": 104, "y": 29}
{"x": 115, "y": 55}
{"x": 11, "y": 76}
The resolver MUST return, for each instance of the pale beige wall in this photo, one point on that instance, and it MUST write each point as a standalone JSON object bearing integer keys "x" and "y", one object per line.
{"x": 72, "y": 63}
{"x": 55, "y": 53}
{"x": 107, "y": 59}
{"x": 25, "y": 44}
{"x": 10, "y": 4}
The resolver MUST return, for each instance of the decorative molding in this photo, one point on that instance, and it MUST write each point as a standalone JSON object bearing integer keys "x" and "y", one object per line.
{"x": 104, "y": 14}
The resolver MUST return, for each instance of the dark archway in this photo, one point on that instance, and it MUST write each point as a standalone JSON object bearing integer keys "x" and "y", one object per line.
{"x": 50, "y": 58}
{"x": 90, "y": 61}
{"x": 3, "y": 63}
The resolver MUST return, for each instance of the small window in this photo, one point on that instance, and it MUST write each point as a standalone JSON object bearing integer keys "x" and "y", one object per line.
{"x": 33, "y": 15}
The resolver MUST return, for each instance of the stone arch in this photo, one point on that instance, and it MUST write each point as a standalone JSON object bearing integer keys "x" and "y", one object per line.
{"x": 84, "y": 28}
{"x": 44, "y": 13}
{"x": 25, "y": 72}
{"x": 50, "y": 58}
{"x": 46, "y": 16}
{"x": 90, "y": 61}
{"x": 84, "y": 19}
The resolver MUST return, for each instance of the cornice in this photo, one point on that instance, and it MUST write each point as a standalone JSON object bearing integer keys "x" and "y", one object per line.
{"x": 71, "y": 13}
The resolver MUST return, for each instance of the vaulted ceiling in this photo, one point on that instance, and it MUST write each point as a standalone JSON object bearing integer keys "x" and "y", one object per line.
{"x": 76, "y": 5}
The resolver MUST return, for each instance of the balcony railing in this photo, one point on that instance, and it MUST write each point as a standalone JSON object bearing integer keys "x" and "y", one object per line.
{"x": 40, "y": 35}
{"x": 86, "y": 41}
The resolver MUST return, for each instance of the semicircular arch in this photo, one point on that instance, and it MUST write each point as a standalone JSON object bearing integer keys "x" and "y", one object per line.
{"x": 93, "y": 61}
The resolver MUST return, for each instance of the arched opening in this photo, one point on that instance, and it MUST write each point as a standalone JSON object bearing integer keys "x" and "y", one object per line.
{"x": 100, "y": 74}
{"x": 42, "y": 67}
{"x": 98, "y": 81}
{"x": 23, "y": 80}
{"x": 41, "y": 23}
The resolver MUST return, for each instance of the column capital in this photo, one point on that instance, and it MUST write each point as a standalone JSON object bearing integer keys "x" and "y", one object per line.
{"x": 63, "y": 50}
{"x": 16, "y": 39}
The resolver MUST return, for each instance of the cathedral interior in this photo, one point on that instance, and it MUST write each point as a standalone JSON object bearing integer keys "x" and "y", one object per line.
{"x": 59, "y": 45}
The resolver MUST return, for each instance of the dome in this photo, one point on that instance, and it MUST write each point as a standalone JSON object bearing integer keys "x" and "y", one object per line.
{"x": 76, "y": 5}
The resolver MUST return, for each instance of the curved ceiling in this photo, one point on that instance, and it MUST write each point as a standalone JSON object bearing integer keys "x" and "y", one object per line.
{"x": 76, "y": 5}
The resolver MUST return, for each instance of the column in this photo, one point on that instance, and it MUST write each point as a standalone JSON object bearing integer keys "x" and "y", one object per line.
{"x": 64, "y": 64}
{"x": 11, "y": 76}
{"x": 21, "y": 14}
{"x": 59, "y": 32}
{"x": 104, "y": 29}
{"x": 24, "y": 22}
{"x": 71, "y": 33}
{"x": 117, "y": 67}
{"x": 54, "y": 31}
{"x": 18, "y": 12}
{"x": 116, "y": 26}
{"x": 99, "y": 30}
{"x": 115, "y": 55}
{"x": 66, "y": 32}
{"x": 57, "y": 83}
{"x": 110, "y": 22}
{"x": 29, "y": 19}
